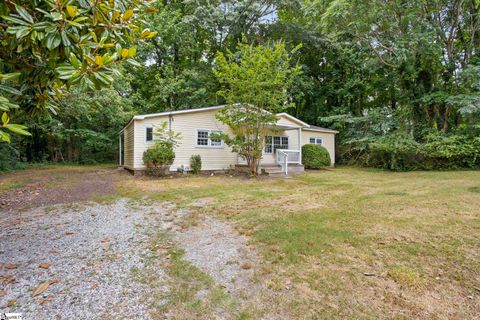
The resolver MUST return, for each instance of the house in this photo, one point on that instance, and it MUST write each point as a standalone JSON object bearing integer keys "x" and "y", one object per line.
{"x": 281, "y": 152}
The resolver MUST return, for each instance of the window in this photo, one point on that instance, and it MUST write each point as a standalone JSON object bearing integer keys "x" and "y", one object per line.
{"x": 268, "y": 144}
{"x": 274, "y": 143}
{"x": 316, "y": 141}
{"x": 149, "y": 134}
{"x": 204, "y": 140}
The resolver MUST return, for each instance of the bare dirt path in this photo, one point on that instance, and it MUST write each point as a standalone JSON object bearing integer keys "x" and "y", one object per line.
{"x": 35, "y": 188}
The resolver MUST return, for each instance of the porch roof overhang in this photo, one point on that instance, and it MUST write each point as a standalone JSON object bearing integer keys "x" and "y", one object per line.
{"x": 283, "y": 127}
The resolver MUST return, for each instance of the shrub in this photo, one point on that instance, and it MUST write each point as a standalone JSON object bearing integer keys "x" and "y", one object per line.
{"x": 196, "y": 163}
{"x": 399, "y": 152}
{"x": 315, "y": 156}
{"x": 158, "y": 158}
{"x": 396, "y": 152}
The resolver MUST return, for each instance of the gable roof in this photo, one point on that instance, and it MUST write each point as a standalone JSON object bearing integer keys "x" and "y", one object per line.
{"x": 292, "y": 118}
{"x": 304, "y": 125}
{"x": 167, "y": 113}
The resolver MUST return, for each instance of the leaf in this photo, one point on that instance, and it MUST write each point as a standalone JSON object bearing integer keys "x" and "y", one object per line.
{"x": 18, "y": 129}
{"x": 3, "y": 293}
{"x": 132, "y": 51}
{"x": 99, "y": 60}
{"x": 44, "y": 265}
{"x": 127, "y": 15}
{"x": 152, "y": 34}
{"x": 144, "y": 33}
{"x": 15, "y": 20}
{"x": 41, "y": 288}
{"x": 10, "y": 266}
{"x": 24, "y": 13}
{"x": 4, "y": 136}
{"x": 10, "y": 90}
{"x": 72, "y": 11}
{"x": 125, "y": 53}
{"x": 12, "y": 302}
{"x": 10, "y": 76}
{"x": 5, "y": 119}
{"x": 53, "y": 40}
{"x": 134, "y": 62}
{"x": 74, "y": 61}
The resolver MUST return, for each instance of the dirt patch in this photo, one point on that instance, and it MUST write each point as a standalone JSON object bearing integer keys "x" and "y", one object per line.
{"x": 49, "y": 187}
{"x": 218, "y": 250}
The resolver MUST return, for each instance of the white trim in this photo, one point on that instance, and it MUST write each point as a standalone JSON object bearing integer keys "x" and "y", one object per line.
{"x": 286, "y": 115}
{"x": 320, "y": 130}
{"x": 209, "y": 141}
{"x": 273, "y": 144}
{"x": 145, "y": 131}
{"x": 166, "y": 113}
{"x": 316, "y": 141}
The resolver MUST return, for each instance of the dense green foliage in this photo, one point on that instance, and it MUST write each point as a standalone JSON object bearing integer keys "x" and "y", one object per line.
{"x": 440, "y": 151}
{"x": 158, "y": 158}
{"x": 196, "y": 163}
{"x": 259, "y": 77}
{"x": 315, "y": 156}
{"x": 49, "y": 46}
{"x": 400, "y": 80}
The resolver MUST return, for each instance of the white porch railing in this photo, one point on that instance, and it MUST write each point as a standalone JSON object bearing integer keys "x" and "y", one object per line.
{"x": 285, "y": 157}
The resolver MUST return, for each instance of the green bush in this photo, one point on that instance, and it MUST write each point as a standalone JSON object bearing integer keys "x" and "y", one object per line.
{"x": 315, "y": 156}
{"x": 396, "y": 152}
{"x": 400, "y": 152}
{"x": 196, "y": 163}
{"x": 10, "y": 158}
{"x": 158, "y": 158}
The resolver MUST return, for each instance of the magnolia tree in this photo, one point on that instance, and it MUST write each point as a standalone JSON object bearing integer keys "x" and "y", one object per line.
{"x": 47, "y": 46}
{"x": 255, "y": 82}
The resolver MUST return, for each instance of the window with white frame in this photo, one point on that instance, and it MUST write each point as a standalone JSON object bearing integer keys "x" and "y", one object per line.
{"x": 204, "y": 139}
{"x": 314, "y": 140}
{"x": 148, "y": 134}
{"x": 272, "y": 143}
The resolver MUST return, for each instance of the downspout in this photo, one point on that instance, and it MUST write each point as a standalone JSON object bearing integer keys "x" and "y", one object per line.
{"x": 300, "y": 144}
{"x": 120, "y": 149}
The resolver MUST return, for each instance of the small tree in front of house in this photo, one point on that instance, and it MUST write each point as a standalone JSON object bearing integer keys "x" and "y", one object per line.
{"x": 255, "y": 82}
{"x": 161, "y": 154}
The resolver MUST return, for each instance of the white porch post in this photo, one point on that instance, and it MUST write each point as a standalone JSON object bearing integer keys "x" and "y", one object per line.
{"x": 300, "y": 143}
{"x": 120, "y": 149}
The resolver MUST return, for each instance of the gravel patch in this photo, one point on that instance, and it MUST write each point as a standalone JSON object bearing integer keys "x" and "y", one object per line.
{"x": 219, "y": 250}
{"x": 87, "y": 253}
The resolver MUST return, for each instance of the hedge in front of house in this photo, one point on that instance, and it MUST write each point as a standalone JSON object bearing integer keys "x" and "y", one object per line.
{"x": 315, "y": 156}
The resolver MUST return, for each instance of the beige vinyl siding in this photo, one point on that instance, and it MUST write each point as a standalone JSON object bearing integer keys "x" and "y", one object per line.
{"x": 328, "y": 140}
{"x": 292, "y": 144}
{"x": 187, "y": 124}
{"x": 128, "y": 139}
{"x": 292, "y": 139}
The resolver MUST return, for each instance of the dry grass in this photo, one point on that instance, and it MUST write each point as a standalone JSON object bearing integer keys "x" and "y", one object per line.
{"x": 351, "y": 242}
{"x": 343, "y": 243}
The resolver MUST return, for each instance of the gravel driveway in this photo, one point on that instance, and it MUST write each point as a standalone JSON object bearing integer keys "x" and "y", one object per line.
{"x": 74, "y": 263}
{"x": 80, "y": 260}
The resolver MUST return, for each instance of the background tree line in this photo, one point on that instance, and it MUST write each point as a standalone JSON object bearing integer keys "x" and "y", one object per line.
{"x": 399, "y": 79}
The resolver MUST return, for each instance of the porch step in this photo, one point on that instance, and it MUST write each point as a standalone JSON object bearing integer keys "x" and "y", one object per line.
{"x": 276, "y": 170}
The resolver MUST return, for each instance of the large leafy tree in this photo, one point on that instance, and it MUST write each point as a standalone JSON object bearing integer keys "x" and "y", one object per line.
{"x": 47, "y": 46}
{"x": 255, "y": 82}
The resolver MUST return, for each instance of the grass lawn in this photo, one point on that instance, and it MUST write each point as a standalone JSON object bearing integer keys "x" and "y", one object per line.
{"x": 343, "y": 243}
{"x": 348, "y": 242}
